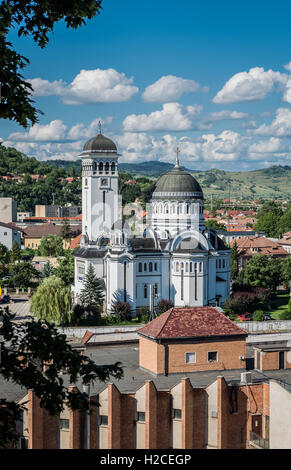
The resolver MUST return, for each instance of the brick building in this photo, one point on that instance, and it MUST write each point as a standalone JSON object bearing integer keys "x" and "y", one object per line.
{"x": 209, "y": 408}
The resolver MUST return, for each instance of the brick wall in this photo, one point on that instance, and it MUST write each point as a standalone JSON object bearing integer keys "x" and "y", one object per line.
{"x": 151, "y": 355}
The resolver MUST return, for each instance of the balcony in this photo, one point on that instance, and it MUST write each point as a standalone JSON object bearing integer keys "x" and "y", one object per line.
{"x": 258, "y": 441}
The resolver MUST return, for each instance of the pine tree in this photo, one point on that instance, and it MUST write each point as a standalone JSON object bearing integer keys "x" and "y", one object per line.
{"x": 234, "y": 262}
{"x": 15, "y": 252}
{"x": 92, "y": 295}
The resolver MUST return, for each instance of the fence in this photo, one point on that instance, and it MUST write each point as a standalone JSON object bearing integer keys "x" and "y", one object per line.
{"x": 263, "y": 326}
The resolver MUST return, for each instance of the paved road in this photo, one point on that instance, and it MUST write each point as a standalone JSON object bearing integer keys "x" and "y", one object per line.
{"x": 20, "y": 307}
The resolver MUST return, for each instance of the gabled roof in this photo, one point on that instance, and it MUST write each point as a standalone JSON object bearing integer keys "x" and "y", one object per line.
{"x": 191, "y": 322}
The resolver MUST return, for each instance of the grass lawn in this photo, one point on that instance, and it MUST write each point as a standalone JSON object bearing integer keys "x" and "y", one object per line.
{"x": 279, "y": 305}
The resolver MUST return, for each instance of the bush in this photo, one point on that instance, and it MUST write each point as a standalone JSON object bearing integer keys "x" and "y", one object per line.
{"x": 285, "y": 315}
{"x": 121, "y": 310}
{"x": 289, "y": 305}
{"x": 248, "y": 300}
{"x": 164, "y": 305}
{"x": 143, "y": 314}
{"x": 259, "y": 315}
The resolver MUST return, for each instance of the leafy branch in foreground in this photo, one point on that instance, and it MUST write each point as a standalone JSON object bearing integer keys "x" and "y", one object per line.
{"x": 37, "y": 357}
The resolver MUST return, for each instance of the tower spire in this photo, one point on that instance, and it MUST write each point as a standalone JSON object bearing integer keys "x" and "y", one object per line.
{"x": 99, "y": 126}
{"x": 177, "y": 165}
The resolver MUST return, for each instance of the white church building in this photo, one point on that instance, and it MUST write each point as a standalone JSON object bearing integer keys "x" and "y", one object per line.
{"x": 171, "y": 256}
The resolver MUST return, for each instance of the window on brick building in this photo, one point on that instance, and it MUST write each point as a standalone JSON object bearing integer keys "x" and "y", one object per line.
{"x": 141, "y": 416}
{"x": 212, "y": 356}
{"x": 177, "y": 414}
{"x": 190, "y": 358}
{"x": 103, "y": 419}
{"x": 65, "y": 424}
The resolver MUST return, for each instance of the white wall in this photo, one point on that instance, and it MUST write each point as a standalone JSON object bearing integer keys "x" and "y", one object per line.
{"x": 280, "y": 416}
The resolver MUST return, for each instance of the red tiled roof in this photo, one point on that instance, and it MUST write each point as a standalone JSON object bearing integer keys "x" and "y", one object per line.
{"x": 86, "y": 337}
{"x": 75, "y": 242}
{"x": 44, "y": 230}
{"x": 253, "y": 245}
{"x": 189, "y": 322}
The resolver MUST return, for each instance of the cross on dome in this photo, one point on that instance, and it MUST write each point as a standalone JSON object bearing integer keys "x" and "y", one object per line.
{"x": 177, "y": 158}
{"x": 99, "y": 126}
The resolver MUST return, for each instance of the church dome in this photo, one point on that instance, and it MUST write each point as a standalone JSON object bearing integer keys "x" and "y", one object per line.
{"x": 100, "y": 144}
{"x": 177, "y": 184}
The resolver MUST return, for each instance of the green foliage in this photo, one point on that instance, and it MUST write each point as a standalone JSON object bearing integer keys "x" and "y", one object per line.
{"x": 47, "y": 271}
{"x": 51, "y": 246}
{"x": 15, "y": 252}
{"x": 37, "y": 20}
{"x": 289, "y": 305}
{"x": 23, "y": 274}
{"x": 286, "y": 315}
{"x": 65, "y": 229}
{"x": 4, "y": 260}
{"x": 259, "y": 315}
{"x": 66, "y": 268}
{"x": 92, "y": 293}
{"x": 121, "y": 310}
{"x": 214, "y": 225}
{"x": 26, "y": 348}
{"x": 263, "y": 271}
{"x": 52, "y": 301}
{"x": 164, "y": 305}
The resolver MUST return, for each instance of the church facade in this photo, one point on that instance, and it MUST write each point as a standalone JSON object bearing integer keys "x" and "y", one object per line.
{"x": 171, "y": 256}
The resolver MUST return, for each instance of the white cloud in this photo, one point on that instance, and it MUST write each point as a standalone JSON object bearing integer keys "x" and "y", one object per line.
{"x": 249, "y": 86}
{"x": 89, "y": 86}
{"x": 224, "y": 115}
{"x": 99, "y": 86}
{"x": 54, "y": 131}
{"x": 172, "y": 117}
{"x": 46, "y": 88}
{"x": 279, "y": 127}
{"x": 288, "y": 66}
{"x": 170, "y": 88}
{"x": 259, "y": 149}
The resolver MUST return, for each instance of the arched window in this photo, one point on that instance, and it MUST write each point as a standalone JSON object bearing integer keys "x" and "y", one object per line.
{"x": 140, "y": 267}
{"x": 190, "y": 267}
{"x": 100, "y": 167}
{"x": 145, "y": 291}
{"x": 223, "y": 263}
{"x": 113, "y": 168}
{"x": 150, "y": 267}
{"x": 106, "y": 168}
{"x": 188, "y": 208}
{"x": 219, "y": 263}
{"x": 177, "y": 266}
{"x": 200, "y": 267}
{"x": 186, "y": 267}
{"x": 156, "y": 266}
{"x": 195, "y": 266}
{"x": 86, "y": 182}
{"x": 94, "y": 166}
{"x": 145, "y": 267}
{"x": 182, "y": 266}
{"x": 166, "y": 209}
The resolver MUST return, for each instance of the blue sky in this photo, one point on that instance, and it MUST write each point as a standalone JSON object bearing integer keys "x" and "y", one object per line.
{"x": 210, "y": 77}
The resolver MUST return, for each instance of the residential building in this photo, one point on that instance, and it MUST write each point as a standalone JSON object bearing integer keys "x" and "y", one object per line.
{"x": 34, "y": 233}
{"x": 8, "y": 210}
{"x": 56, "y": 211}
{"x": 250, "y": 246}
{"x": 9, "y": 233}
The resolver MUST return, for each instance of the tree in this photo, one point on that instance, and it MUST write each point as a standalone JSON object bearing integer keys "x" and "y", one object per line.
{"x": 15, "y": 252}
{"x": 65, "y": 229}
{"x": 36, "y": 19}
{"x": 47, "y": 271}
{"x": 51, "y": 246}
{"x": 121, "y": 310}
{"x": 164, "y": 305}
{"x": 214, "y": 225}
{"x": 92, "y": 294}
{"x": 23, "y": 274}
{"x": 66, "y": 268}
{"x": 29, "y": 345}
{"x": 52, "y": 301}
{"x": 263, "y": 271}
{"x": 268, "y": 219}
{"x": 4, "y": 260}
{"x": 234, "y": 261}
{"x": 259, "y": 315}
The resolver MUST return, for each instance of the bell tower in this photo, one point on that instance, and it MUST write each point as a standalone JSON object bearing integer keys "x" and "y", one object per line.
{"x": 100, "y": 200}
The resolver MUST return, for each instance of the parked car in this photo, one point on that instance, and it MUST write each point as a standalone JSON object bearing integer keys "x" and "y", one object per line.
{"x": 267, "y": 316}
{"x": 5, "y": 299}
{"x": 245, "y": 317}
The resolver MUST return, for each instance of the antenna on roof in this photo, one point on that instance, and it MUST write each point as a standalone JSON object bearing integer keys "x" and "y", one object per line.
{"x": 177, "y": 158}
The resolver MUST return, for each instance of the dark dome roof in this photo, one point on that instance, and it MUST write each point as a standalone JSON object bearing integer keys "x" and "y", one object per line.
{"x": 100, "y": 143}
{"x": 177, "y": 183}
